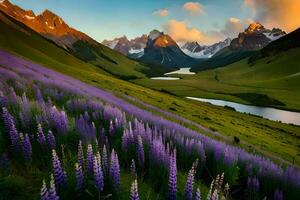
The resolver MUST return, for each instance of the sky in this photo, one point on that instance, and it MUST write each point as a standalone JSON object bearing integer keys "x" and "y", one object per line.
{"x": 205, "y": 21}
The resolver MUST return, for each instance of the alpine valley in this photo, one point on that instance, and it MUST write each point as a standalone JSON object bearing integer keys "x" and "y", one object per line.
{"x": 183, "y": 104}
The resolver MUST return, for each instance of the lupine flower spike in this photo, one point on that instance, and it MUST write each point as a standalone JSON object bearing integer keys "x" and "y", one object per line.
{"x": 134, "y": 194}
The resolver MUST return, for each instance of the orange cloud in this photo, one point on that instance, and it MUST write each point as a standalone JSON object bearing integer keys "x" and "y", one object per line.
{"x": 180, "y": 32}
{"x": 161, "y": 13}
{"x": 193, "y": 7}
{"x": 276, "y": 13}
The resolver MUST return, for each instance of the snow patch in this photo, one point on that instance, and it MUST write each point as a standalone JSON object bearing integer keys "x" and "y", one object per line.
{"x": 272, "y": 37}
{"x": 199, "y": 54}
{"x": 154, "y": 34}
{"x": 29, "y": 17}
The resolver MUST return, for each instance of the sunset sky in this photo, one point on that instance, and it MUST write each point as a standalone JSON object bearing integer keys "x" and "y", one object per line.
{"x": 205, "y": 21}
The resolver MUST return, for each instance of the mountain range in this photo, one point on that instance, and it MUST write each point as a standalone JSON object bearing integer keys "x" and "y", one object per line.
{"x": 52, "y": 27}
{"x": 156, "y": 51}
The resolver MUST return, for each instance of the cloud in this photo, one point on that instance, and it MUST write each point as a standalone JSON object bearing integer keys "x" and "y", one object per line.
{"x": 276, "y": 13}
{"x": 161, "y": 13}
{"x": 233, "y": 27}
{"x": 193, "y": 8}
{"x": 180, "y": 32}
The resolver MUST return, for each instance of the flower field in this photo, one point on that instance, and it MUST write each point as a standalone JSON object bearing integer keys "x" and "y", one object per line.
{"x": 80, "y": 142}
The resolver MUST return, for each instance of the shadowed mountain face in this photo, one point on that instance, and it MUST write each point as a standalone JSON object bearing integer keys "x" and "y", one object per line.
{"x": 255, "y": 37}
{"x": 162, "y": 49}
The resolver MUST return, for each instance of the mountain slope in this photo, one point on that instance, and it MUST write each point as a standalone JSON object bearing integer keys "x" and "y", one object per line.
{"x": 254, "y": 38}
{"x": 77, "y": 43}
{"x": 163, "y": 50}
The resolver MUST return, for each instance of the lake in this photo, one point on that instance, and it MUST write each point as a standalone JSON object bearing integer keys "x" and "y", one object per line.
{"x": 185, "y": 71}
{"x": 265, "y": 112}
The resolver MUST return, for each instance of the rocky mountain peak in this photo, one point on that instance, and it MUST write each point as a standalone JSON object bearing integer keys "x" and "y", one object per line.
{"x": 255, "y": 27}
{"x": 154, "y": 34}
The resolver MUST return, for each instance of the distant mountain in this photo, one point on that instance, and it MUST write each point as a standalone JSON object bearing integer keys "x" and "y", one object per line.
{"x": 255, "y": 37}
{"x": 195, "y": 50}
{"x": 53, "y": 28}
{"x": 128, "y": 47}
{"x": 162, "y": 49}
{"x": 285, "y": 43}
{"x": 47, "y": 24}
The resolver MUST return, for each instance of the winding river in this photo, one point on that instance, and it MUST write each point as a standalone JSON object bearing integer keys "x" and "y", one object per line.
{"x": 274, "y": 114}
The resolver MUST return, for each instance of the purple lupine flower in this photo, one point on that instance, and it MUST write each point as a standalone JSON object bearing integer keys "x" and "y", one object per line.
{"x": 40, "y": 136}
{"x": 140, "y": 151}
{"x": 115, "y": 170}
{"x": 27, "y": 148}
{"x": 172, "y": 183}
{"x": 133, "y": 168}
{"x": 44, "y": 192}
{"x": 198, "y": 194}
{"x": 134, "y": 194}
{"x": 52, "y": 189}
{"x": 51, "y": 140}
{"x": 252, "y": 188}
{"x": 278, "y": 194}
{"x": 4, "y": 162}
{"x": 89, "y": 159}
{"x": 59, "y": 174}
{"x": 9, "y": 124}
{"x": 79, "y": 177}
{"x": 105, "y": 161}
{"x": 188, "y": 191}
{"x": 80, "y": 155}
{"x": 38, "y": 94}
{"x": 98, "y": 175}
{"x": 111, "y": 128}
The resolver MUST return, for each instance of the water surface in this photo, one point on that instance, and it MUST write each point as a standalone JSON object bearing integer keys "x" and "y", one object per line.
{"x": 265, "y": 112}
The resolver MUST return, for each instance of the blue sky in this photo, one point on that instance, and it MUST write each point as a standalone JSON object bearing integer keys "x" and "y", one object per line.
{"x": 107, "y": 19}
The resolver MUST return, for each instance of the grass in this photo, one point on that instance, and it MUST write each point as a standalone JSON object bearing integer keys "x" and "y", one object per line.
{"x": 273, "y": 139}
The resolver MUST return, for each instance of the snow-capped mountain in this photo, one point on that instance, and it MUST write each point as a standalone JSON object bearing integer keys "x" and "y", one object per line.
{"x": 134, "y": 47}
{"x": 195, "y": 50}
{"x": 255, "y": 37}
{"x": 162, "y": 49}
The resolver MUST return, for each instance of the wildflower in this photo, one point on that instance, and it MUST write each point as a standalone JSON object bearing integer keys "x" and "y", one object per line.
{"x": 134, "y": 194}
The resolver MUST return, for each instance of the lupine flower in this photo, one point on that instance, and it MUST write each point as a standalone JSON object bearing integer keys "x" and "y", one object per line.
{"x": 52, "y": 189}
{"x": 111, "y": 128}
{"x": 215, "y": 195}
{"x": 140, "y": 151}
{"x": 59, "y": 174}
{"x": 51, "y": 140}
{"x": 105, "y": 161}
{"x": 80, "y": 154}
{"x": 9, "y": 124}
{"x": 198, "y": 195}
{"x": 172, "y": 184}
{"x": 89, "y": 159}
{"x": 44, "y": 192}
{"x": 40, "y": 136}
{"x": 133, "y": 168}
{"x": 98, "y": 175}
{"x": 188, "y": 191}
{"x": 115, "y": 170}
{"x": 27, "y": 149}
{"x": 79, "y": 177}
{"x": 134, "y": 194}
{"x": 278, "y": 194}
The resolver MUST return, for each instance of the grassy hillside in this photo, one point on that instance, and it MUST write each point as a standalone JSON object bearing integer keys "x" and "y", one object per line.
{"x": 256, "y": 134}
